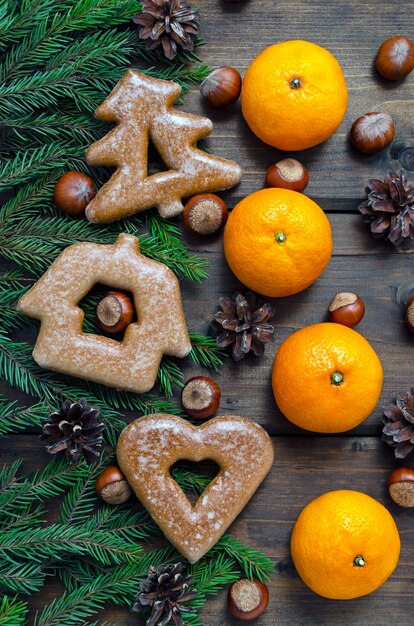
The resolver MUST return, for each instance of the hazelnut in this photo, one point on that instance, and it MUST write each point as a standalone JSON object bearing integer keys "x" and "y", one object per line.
{"x": 409, "y": 313}
{"x": 204, "y": 214}
{"x": 288, "y": 174}
{"x": 372, "y": 132}
{"x": 114, "y": 312}
{"x": 347, "y": 309}
{"x": 222, "y": 87}
{"x": 247, "y": 599}
{"x": 112, "y": 486}
{"x": 401, "y": 486}
{"x": 200, "y": 397}
{"x": 395, "y": 58}
{"x": 73, "y": 192}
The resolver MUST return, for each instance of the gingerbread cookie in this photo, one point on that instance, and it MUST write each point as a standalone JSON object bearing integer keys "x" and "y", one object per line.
{"x": 141, "y": 107}
{"x": 147, "y": 449}
{"x": 130, "y": 364}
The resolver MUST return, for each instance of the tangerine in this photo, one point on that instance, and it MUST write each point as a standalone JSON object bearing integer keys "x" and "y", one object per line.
{"x": 277, "y": 241}
{"x": 326, "y": 378}
{"x": 294, "y": 95}
{"x": 345, "y": 545}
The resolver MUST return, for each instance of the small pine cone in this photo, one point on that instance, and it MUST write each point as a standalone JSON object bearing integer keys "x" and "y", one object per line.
{"x": 398, "y": 420}
{"x": 167, "y": 25}
{"x": 389, "y": 207}
{"x": 244, "y": 323}
{"x": 164, "y": 592}
{"x": 74, "y": 430}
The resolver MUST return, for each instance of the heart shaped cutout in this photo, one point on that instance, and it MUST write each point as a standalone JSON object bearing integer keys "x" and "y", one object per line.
{"x": 148, "y": 447}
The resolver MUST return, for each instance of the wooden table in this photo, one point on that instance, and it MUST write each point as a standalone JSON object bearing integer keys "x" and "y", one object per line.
{"x": 307, "y": 465}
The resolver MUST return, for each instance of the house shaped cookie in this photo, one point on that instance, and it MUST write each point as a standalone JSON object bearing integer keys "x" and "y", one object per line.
{"x": 130, "y": 364}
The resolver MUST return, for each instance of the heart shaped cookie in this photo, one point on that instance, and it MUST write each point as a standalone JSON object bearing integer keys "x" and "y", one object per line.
{"x": 147, "y": 449}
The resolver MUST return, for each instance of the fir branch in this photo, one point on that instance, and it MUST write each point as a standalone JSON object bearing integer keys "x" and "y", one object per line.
{"x": 53, "y": 541}
{"x": 54, "y": 479}
{"x": 18, "y": 369}
{"x": 206, "y": 352}
{"x": 49, "y": 36}
{"x": 28, "y": 517}
{"x": 182, "y": 75}
{"x": 102, "y": 56}
{"x": 30, "y": 198}
{"x": 20, "y": 577}
{"x": 18, "y": 19}
{"x": 33, "y": 163}
{"x": 118, "y": 586}
{"x": 253, "y": 562}
{"x": 23, "y": 131}
{"x": 169, "y": 377}
{"x": 165, "y": 231}
{"x": 13, "y": 612}
{"x": 74, "y": 573}
{"x": 41, "y": 89}
{"x": 144, "y": 403}
{"x": 96, "y": 52}
{"x": 11, "y": 290}
{"x": 8, "y": 474}
{"x": 126, "y": 523}
{"x": 189, "y": 481}
{"x": 210, "y": 576}
{"x": 14, "y": 417}
{"x": 35, "y": 242}
{"x": 182, "y": 263}
{"x": 78, "y": 504}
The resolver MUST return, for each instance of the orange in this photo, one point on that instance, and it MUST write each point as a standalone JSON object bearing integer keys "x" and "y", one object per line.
{"x": 294, "y": 95}
{"x": 277, "y": 241}
{"x": 344, "y": 545}
{"x": 326, "y": 378}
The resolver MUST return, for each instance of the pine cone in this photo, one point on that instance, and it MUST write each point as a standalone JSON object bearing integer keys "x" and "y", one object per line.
{"x": 244, "y": 320}
{"x": 75, "y": 430}
{"x": 399, "y": 424}
{"x": 164, "y": 591}
{"x": 167, "y": 24}
{"x": 390, "y": 207}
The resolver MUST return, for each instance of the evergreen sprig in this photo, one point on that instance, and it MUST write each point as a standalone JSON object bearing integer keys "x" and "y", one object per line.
{"x": 13, "y": 612}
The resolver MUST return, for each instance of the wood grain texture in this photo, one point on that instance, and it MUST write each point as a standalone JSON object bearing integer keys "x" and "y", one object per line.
{"x": 305, "y": 465}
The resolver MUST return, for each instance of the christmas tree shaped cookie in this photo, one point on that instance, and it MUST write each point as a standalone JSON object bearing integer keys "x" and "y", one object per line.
{"x": 141, "y": 107}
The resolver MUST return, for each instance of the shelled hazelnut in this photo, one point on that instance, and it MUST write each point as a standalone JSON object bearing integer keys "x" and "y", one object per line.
{"x": 200, "y": 397}
{"x": 347, "y": 309}
{"x": 288, "y": 174}
{"x": 114, "y": 312}
{"x": 247, "y": 599}
{"x": 372, "y": 132}
{"x": 395, "y": 58}
{"x": 112, "y": 486}
{"x": 401, "y": 486}
{"x": 222, "y": 87}
{"x": 73, "y": 192}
